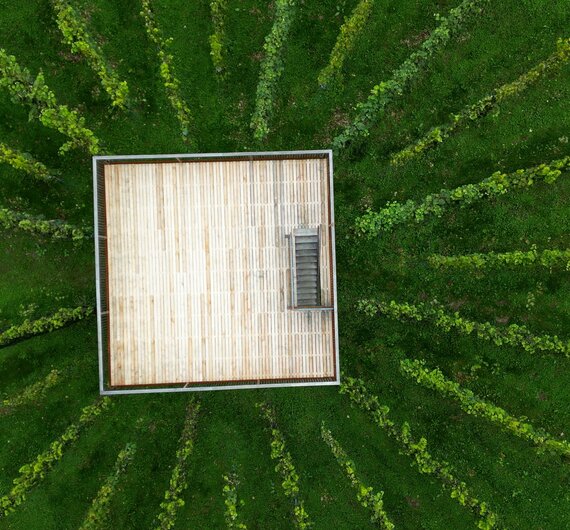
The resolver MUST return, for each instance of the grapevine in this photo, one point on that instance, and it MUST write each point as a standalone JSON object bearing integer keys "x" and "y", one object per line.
{"x": 426, "y": 464}
{"x": 474, "y": 405}
{"x": 513, "y": 335}
{"x": 472, "y": 113}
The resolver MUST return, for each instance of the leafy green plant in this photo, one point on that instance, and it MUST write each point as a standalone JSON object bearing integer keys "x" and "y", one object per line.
{"x": 29, "y": 328}
{"x": 231, "y": 503}
{"x": 385, "y": 92}
{"x": 24, "y": 162}
{"x": 31, "y": 393}
{"x": 217, "y": 38}
{"x": 74, "y": 32}
{"x": 484, "y": 106}
{"x": 365, "y": 494}
{"x": 272, "y": 67}
{"x": 37, "y": 225}
{"x": 474, "y": 405}
{"x": 285, "y": 468}
{"x": 170, "y": 81}
{"x": 34, "y": 93}
{"x": 347, "y": 37}
{"x": 513, "y": 335}
{"x": 33, "y": 473}
{"x": 394, "y": 213}
{"x": 546, "y": 258}
{"x": 417, "y": 450}
{"x": 98, "y": 514}
{"x": 178, "y": 481}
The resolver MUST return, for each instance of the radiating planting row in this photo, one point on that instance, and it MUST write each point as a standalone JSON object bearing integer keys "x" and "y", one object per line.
{"x": 231, "y": 503}
{"x": 549, "y": 258}
{"x": 37, "y": 225}
{"x": 349, "y": 33}
{"x": 29, "y": 328}
{"x": 98, "y": 516}
{"x": 170, "y": 81}
{"x": 217, "y": 38}
{"x": 364, "y": 494}
{"x": 25, "y": 162}
{"x": 178, "y": 480}
{"x": 484, "y": 106}
{"x": 384, "y": 93}
{"x": 272, "y": 67}
{"x": 285, "y": 468}
{"x": 41, "y": 101}
{"x": 31, "y": 393}
{"x": 33, "y": 473}
{"x": 417, "y": 450}
{"x": 372, "y": 223}
{"x": 74, "y": 31}
{"x": 476, "y": 406}
{"x": 513, "y": 335}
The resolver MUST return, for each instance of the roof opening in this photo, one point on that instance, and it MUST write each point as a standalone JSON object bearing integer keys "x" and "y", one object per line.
{"x": 307, "y": 281}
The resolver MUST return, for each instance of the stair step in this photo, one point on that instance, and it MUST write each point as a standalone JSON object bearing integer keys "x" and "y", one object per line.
{"x": 307, "y": 246}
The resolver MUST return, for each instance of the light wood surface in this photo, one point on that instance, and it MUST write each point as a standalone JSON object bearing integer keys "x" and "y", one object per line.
{"x": 198, "y": 271}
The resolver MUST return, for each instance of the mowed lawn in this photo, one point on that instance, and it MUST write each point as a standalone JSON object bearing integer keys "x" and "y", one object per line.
{"x": 526, "y": 489}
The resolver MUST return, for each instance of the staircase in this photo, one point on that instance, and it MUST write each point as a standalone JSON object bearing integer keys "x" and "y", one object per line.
{"x": 308, "y": 284}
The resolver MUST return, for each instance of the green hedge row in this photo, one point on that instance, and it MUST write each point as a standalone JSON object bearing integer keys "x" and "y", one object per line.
{"x": 178, "y": 480}
{"x": 364, "y": 494}
{"x": 417, "y": 450}
{"x": 513, "y": 335}
{"x": 29, "y": 328}
{"x": 37, "y": 225}
{"x": 72, "y": 27}
{"x": 34, "y": 93}
{"x": 546, "y": 258}
{"x": 474, "y": 405}
{"x": 395, "y": 213}
{"x": 285, "y": 468}
{"x": 386, "y": 91}
{"x": 484, "y": 106}
{"x": 33, "y": 473}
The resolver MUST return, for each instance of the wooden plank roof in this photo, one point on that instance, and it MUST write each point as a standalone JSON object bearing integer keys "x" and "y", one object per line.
{"x": 194, "y": 271}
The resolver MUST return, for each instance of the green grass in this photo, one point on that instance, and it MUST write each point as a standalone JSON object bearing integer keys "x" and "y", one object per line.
{"x": 526, "y": 490}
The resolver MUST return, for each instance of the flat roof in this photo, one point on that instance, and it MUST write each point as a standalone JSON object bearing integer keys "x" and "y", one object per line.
{"x": 196, "y": 268}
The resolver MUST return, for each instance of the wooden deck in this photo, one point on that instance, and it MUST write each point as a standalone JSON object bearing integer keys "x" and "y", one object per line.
{"x": 198, "y": 271}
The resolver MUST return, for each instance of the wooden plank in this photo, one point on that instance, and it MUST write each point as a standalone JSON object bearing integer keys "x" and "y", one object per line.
{"x": 199, "y": 271}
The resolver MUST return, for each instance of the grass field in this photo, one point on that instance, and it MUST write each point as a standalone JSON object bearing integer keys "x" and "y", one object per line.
{"x": 527, "y": 490}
